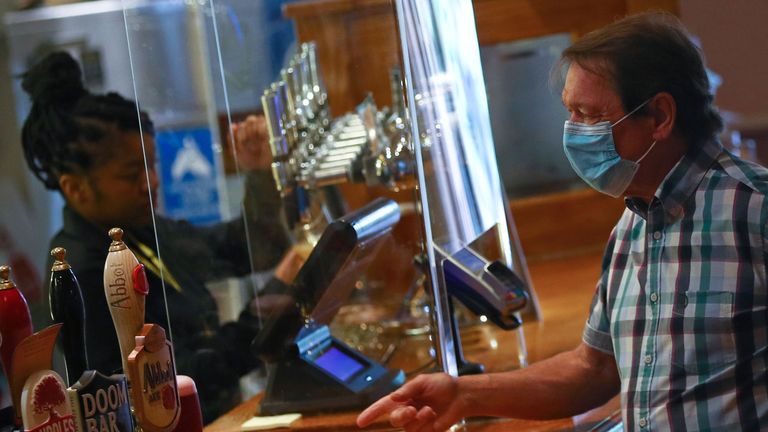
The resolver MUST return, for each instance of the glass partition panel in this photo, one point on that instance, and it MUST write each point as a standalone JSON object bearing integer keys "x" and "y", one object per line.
{"x": 467, "y": 233}
{"x": 298, "y": 273}
{"x": 217, "y": 231}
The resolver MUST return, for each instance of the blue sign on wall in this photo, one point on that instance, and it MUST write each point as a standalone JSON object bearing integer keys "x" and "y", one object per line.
{"x": 188, "y": 175}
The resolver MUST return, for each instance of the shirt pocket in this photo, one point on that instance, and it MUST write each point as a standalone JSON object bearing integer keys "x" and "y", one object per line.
{"x": 702, "y": 331}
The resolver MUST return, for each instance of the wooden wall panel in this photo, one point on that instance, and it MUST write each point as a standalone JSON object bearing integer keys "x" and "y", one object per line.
{"x": 507, "y": 20}
{"x": 357, "y": 45}
{"x": 370, "y": 69}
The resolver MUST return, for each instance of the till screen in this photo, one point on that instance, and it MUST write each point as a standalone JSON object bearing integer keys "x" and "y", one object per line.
{"x": 338, "y": 364}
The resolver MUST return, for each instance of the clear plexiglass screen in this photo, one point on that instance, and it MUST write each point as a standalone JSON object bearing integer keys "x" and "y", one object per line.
{"x": 290, "y": 194}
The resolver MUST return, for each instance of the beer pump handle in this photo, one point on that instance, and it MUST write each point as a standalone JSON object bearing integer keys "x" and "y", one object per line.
{"x": 155, "y": 391}
{"x": 67, "y": 307}
{"x": 125, "y": 286}
{"x": 15, "y": 320}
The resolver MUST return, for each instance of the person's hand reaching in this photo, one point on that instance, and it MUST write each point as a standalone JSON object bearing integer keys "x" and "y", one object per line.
{"x": 251, "y": 145}
{"x": 428, "y": 403}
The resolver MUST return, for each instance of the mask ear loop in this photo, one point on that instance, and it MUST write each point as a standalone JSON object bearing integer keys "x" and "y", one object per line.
{"x": 632, "y": 112}
{"x": 646, "y": 152}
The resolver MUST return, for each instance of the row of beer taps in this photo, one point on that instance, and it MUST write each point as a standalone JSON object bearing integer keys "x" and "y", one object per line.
{"x": 311, "y": 149}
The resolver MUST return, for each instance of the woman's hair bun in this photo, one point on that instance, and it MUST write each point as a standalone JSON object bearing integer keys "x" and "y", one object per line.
{"x": 54, "y": 80}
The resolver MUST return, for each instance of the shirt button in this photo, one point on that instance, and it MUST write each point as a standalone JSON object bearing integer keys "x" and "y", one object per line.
{"x": 657, "y": 235}
{"x": 654, "y": 297}
{"x": 648, "y": 359}
{"x": 642, "y": 422}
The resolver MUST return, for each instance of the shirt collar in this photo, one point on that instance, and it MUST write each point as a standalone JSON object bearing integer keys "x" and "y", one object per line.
{"x": 681, "y": 181}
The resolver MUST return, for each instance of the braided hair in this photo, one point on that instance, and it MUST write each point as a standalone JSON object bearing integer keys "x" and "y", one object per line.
{"x": 70, "y": 130}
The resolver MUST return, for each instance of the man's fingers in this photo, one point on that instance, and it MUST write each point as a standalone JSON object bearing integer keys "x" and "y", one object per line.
{"x": 423, "y": 420}
{"x": 402, "y": 397}
{"x": 426, "y": 413}
{"x": 376, "y": 410}
{"x": 402, "y": 416}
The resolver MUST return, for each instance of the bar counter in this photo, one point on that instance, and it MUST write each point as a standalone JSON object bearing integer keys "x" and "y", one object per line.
{"x": 565, "y": 287}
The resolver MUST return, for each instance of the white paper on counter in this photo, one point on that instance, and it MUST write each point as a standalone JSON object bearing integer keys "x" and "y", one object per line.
{"x": 269, "y": 422}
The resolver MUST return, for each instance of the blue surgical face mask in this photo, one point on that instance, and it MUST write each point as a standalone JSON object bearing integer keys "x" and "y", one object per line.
{"x": 592, "y": 153}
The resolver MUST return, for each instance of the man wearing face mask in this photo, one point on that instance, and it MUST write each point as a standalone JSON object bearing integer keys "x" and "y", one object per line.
{"x": 678, "y": 324}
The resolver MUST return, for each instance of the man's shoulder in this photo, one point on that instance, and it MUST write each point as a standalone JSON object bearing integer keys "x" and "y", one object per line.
{"x": 750, "y": 174}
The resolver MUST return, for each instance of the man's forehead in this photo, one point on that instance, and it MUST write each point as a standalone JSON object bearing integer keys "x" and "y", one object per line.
{"x": 587, "y": 85}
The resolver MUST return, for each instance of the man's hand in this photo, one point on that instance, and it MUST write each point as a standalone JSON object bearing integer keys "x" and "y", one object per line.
{"x": 252, "y": 143}
{"x": 428, "y": 403}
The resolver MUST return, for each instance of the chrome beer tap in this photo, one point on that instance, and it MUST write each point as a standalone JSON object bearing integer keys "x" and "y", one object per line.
{"x": 312, "y": 150}
{"x": 318, "y": 87}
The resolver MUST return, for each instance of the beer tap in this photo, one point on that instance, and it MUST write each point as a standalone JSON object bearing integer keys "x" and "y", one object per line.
{"x": 385, "y": 163}
{"x": 318, "y": 87}
{"x": 125, "y": 285}
{"x": 67, "y": 308}
{"x": 295, "y": 112}
{"x": 281, "y": 141}
{"x": 15, "y": 320}
{"x": 307, "y": 89}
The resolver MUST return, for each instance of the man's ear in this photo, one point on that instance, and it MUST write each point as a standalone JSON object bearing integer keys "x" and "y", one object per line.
{"x": 75, "y": 188}
{"x": 664, "y": 112}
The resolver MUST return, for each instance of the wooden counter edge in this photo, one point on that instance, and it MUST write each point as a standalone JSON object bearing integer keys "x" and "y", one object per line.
{"x": 605, "y": 416}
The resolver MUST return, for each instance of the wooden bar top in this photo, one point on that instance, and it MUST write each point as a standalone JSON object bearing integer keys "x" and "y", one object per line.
{"x": 565, "y": 287}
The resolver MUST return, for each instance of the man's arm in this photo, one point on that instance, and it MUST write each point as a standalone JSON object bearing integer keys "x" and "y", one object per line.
{"x": 561, "y": 386}
{"x": 564, "y": 385}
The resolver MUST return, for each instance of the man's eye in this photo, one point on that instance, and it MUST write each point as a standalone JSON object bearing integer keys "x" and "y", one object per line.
{"x": 589, "y": 118}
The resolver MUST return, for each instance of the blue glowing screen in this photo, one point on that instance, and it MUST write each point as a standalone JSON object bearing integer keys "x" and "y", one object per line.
{"x": 338, "y": 364}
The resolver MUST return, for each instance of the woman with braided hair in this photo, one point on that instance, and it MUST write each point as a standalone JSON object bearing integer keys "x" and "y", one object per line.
{"x": 70, "y": 136}
{"x": 92, "y": 149}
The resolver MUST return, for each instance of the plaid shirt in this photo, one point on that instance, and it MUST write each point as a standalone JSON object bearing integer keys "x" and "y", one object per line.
{"x": 681, "y": 302}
